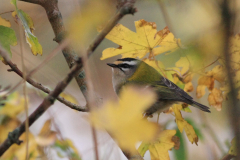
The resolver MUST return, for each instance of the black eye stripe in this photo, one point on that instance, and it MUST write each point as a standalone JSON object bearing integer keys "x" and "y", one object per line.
{"x": 127, "y": 59}
{"x": 124, "y": 65}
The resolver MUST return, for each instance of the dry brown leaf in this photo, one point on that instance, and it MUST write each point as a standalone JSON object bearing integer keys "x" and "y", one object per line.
{"x": 208, "y": 81}
{"x": 188, "y": 87}
{"x": 188, "y": 78}
{"x": 200, "y": 91}
{"x": 218, "y": 73}
{"x": 215, "y": 99}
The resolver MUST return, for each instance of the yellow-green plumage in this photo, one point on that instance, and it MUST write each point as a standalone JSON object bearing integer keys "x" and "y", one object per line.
{"x": 132, "y": 71}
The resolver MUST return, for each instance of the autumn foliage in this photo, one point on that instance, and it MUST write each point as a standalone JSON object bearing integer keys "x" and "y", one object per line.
{"x": 189, "y": 64}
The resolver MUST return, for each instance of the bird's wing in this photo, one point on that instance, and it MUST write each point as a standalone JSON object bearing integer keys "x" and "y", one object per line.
{"x": 169, "y": 90}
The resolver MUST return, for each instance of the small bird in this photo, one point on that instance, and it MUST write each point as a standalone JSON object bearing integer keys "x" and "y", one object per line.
{"x": 133, "y": 71}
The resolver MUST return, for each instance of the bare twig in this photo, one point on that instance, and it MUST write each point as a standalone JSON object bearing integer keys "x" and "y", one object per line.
{"x": 38, "y": 85}
{"x": 233, "y": 105}
{"x": 55, "y": 18}
{"x": 165, "y": 14}
{"x": 211, "y": 131}
{"x": 24, "y": 88}
{"x": 126, "y": 8}
{"x": 228, "y": 157}
{"x": 13, "y": 137}
{"x": 56, "y": 21}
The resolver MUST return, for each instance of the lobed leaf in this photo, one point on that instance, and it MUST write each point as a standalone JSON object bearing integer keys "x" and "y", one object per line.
{"x": 183, "y": 124}
{"x": 145, "y": 40}
{"x": 123, "y": 119}
{"x": 166, "y": 141}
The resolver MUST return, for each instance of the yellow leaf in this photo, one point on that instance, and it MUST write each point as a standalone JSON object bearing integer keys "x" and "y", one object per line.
{"x": 215, "y": 99}
{"x": 159, "y": 149}
{"x": 46, "y": 137}
{"x": 183, "y": 124}
{"x": 83, "y": 25}
{"x": 69, "y": 98}
{"x": 183, "y": 63}
{"x": 188, "y": 78}
{"x": 208, "y": 81}
{"x": 8, "y": 127}
{"x": 4, "y": 22}
{"x": 28, "y": 26}
{"x": 233, "y": 148}
{"x": 145, "y": 40}
{"x": 200, "y": 91}
{"x": 188, "y": 87}
{"x": 20, "y": 151}
{"x": 123, "y": 119}
{"x": 219, "y": 73}
{"x": 158, "y": 65}
{"x": 14, "y": 106}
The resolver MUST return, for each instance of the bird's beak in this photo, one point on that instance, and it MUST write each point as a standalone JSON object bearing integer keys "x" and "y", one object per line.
{"x": 112, "y": 65}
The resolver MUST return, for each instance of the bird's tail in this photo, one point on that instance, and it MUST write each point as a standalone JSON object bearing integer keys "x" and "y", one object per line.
{"x": 201, "y": 107}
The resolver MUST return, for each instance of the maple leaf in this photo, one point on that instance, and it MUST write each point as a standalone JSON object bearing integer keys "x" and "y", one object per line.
{"x": 123, "y": 119}
{"x": 158, "y": 65}
{"x": 159, "y": 149}
{"x": 215, "y": 99}
{"x": 183, "y": 124}
{"x": 145, "y": 40}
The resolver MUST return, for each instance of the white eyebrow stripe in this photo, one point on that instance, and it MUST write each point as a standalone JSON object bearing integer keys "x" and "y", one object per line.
{"x": 132, "y": 63}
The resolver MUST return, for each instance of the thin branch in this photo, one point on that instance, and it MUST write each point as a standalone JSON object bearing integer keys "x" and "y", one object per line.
{"x": 24, "y": 88}
{"x": 38, "y": 85}
{"x": 126, "y": 8}
{"x": 56, "y": 21}
{"x": 13, "y": 137}
{"x": 233, "y": 103}
{"x": 211, "y": 132}
{"x": 228, "y": 157}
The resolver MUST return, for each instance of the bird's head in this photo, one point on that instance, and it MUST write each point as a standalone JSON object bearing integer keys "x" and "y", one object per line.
{"x": 124, "y": 68}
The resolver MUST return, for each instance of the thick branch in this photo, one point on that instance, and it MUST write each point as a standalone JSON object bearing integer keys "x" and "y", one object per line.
{"x": 56, "y": 21}
{"x": 233, "y": 103}
{"x": 13, "y": 137}
{"x": 55, "y": 18}
{"x": 15, "y": 69}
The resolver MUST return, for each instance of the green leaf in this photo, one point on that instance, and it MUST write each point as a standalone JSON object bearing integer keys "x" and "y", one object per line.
{"x": 187, "y": 109}
{"x": 7, "y": 38}
{"x": 28, "y": 28}
{"x": 143, "y": 148}
{"x": 233, "y": 148}
{"x": 66, "y": 148}
{"x": 180, "y": 154}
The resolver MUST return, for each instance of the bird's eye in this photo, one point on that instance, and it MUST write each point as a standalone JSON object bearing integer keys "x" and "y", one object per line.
{"x": 125, "y": 65}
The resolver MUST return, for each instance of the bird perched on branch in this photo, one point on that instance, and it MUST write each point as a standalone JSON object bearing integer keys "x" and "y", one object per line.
{"x": 133, "y": 71}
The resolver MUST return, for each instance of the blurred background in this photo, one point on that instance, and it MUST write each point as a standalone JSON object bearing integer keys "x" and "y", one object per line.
{"x": 188, "y": 20}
